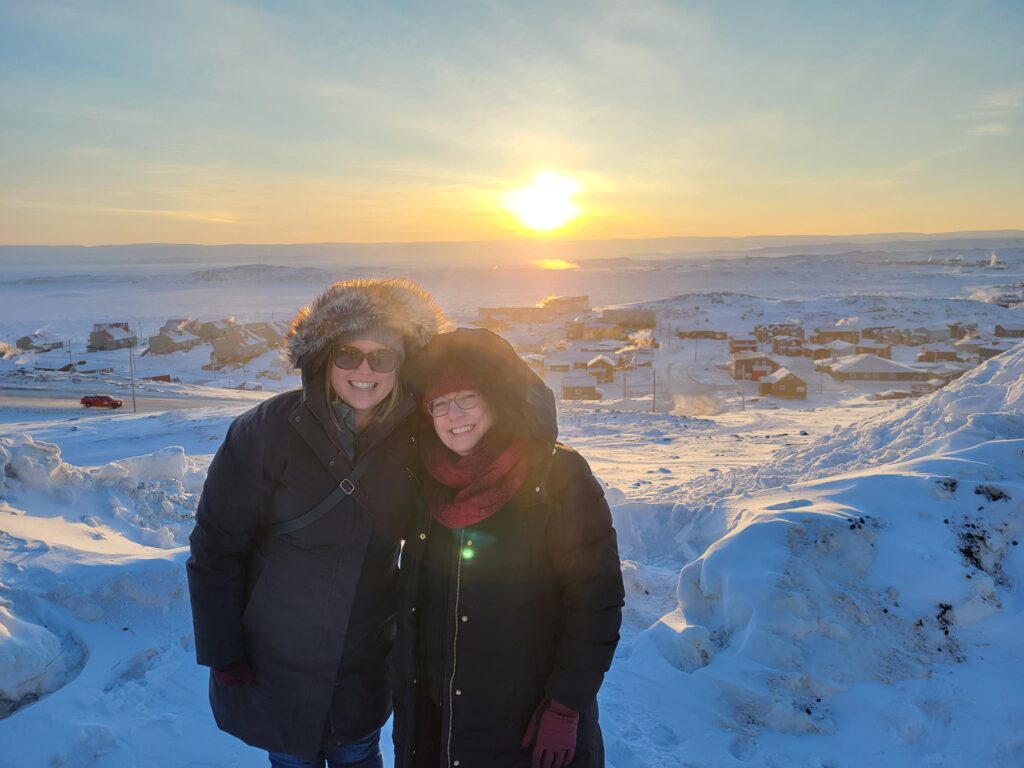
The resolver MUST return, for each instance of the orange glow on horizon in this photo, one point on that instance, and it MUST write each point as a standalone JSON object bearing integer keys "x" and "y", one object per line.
{"x": 554, "y": 264}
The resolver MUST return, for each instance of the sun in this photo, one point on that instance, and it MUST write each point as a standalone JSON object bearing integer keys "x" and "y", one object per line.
{"x": 546, "y": 204}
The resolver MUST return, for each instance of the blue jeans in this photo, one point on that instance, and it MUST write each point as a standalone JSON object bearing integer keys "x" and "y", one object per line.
{"x": 364, "y": 753}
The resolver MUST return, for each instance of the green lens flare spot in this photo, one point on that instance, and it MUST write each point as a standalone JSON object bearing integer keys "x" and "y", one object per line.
{"x": 467, "y": 553}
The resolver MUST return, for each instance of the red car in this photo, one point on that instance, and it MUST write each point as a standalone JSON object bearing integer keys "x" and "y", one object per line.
{"x": 101, "y": 401}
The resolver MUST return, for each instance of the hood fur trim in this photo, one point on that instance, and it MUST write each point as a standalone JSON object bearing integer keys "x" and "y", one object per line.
{"x": 354, "y": 306}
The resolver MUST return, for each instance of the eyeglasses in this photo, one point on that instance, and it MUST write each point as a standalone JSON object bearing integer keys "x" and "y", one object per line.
{"x": 466, "y": 401}
{"x": 380, "y": 360}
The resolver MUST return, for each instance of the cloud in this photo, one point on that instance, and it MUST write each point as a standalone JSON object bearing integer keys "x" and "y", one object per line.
{"x": 1002, "y": 102}
{"x": 990, "y": 129}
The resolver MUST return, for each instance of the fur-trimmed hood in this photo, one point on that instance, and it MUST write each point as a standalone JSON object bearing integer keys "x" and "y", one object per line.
{"x": 354, "y": 306}
{"x": 503, "y": 376}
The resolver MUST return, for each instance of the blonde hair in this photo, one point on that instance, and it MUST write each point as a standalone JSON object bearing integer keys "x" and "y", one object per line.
{"x": 381, "y": 411}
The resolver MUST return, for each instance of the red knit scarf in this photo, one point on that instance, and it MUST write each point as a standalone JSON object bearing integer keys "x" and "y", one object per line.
{"x": 483, "y": 480}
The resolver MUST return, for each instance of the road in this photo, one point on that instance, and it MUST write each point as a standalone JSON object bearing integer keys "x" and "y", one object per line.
{"x": 63, "y": 400}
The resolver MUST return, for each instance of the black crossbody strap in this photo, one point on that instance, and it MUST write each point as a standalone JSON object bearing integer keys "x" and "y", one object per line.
{"x": 345, "y": 488}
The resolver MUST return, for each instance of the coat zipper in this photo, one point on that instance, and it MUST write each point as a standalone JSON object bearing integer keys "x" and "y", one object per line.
{"x": 455, "y": 648}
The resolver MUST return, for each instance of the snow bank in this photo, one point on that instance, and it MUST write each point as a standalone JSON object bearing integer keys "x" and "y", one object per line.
{"x": 30, "y": 661}
{"x": 149, "y": 499}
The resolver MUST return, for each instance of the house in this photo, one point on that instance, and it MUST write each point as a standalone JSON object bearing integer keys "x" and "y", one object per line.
{"x": 879, "y": 332}
{"x": 742, "y": 345}
{"x": 590, "y": 328}
{"x": 580, "y": 388}
{"x": 239, "y": 346}
{"x": 189, "y": 324}
{"x": 937, "y": 353}
{"x": 765, "y": 333}
{"x": 525, "y": 341}
{"x": 1005, "y": 332}
{"x": 751, "y": 365}
{"x": 782, "y": 383}
{"x": 840, "y": 348}
{"x": 167, "y": 341}
{"x": 559, "y": 364}
{"x": 968, "y": 347}
{"x": 874, "y": 368}
{"x": 630, "y": 318}
{"x": 108, "y": 336}
{"x": 215, "y": 329}
{"x": 602, "y": 368}
{"x": 825, "y": 335}
{"x": 788, "y": 346}
{"x": 37, "y": 342}
{"x": 271, "y": 332}
{"x": 817, "y": 352}
{"x": 994, "y": 347}
{"x": 564, "y": 305}
{"x": 947, "y": 372}
{"x": 929, "y": 334}
{"x": 873, "y": 348}
{"x": 962, "y": 330}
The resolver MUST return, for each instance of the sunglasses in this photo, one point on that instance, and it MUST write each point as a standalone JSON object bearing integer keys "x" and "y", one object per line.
{"x": 380, "y": 360}
{"x": 467, "y": 401}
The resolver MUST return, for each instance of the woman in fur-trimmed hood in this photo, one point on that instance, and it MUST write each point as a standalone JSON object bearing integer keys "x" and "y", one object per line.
{"x": 293, "y": 574}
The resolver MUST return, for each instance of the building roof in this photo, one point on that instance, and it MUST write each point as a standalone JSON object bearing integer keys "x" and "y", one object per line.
{"x": 779, "y": 375}
{"x": 739, "y": 356}
{"x": 601, "y": 359}
{"x": 578, "y": 381}
{"x": 839, "y": 345}
{"x": 868, "y": 363}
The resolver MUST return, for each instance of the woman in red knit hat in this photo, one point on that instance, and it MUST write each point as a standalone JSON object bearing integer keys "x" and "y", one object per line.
{"x": 511, "y": 586}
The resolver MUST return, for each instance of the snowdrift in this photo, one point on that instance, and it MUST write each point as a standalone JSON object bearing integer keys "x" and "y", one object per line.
{"x": 870, "y": 617}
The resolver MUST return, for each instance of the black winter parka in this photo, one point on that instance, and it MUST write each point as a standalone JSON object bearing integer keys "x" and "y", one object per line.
{"x": 311, "y": 611}
{"x": 531, "y": 602}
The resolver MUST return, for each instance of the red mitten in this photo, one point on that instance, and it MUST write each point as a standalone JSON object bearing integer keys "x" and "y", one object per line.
{"x": 232, "y": 675}
{"x": 552, "y": 731}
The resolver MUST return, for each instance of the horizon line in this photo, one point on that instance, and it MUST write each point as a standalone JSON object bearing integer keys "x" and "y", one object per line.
{"x": 527, "y": 240}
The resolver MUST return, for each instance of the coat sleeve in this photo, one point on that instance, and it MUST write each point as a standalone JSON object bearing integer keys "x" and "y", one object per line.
{"x": 586, "y": 559}
{"x": 235, "y": 498}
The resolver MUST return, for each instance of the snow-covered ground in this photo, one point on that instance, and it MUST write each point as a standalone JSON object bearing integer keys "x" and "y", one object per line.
{"x": 836, "y": 584}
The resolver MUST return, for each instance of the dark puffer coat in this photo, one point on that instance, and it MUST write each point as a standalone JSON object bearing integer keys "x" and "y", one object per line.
{"x": 524, "y": 605}
{"x": 312, "y": 611}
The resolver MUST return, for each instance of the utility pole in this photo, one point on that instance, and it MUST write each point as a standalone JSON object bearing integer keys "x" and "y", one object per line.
{"x": 131, "y": 369}
{"x": 654, "y": 390}
{"x": 696, "y": 341}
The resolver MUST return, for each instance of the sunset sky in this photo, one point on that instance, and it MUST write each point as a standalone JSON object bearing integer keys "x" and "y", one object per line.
{"x": 207, "y": 121}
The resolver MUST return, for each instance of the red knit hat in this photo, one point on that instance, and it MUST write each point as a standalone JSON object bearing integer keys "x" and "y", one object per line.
{"x": 450, "y": 380}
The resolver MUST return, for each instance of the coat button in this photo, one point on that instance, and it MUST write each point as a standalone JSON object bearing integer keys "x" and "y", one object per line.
{"x": 465, "y": 618}
{"x": 331, "y": 462}
{"x": 469, "y": 542}
{"x": 458, "y": 692}
{"x": 423, "y": 537}
{"x": 414, "y": 609}
{"x": 414, "y": 681}
{"x": 537, "y": 489}
{"x": 298, "y": 418}
{"x": 455, "y": 762}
